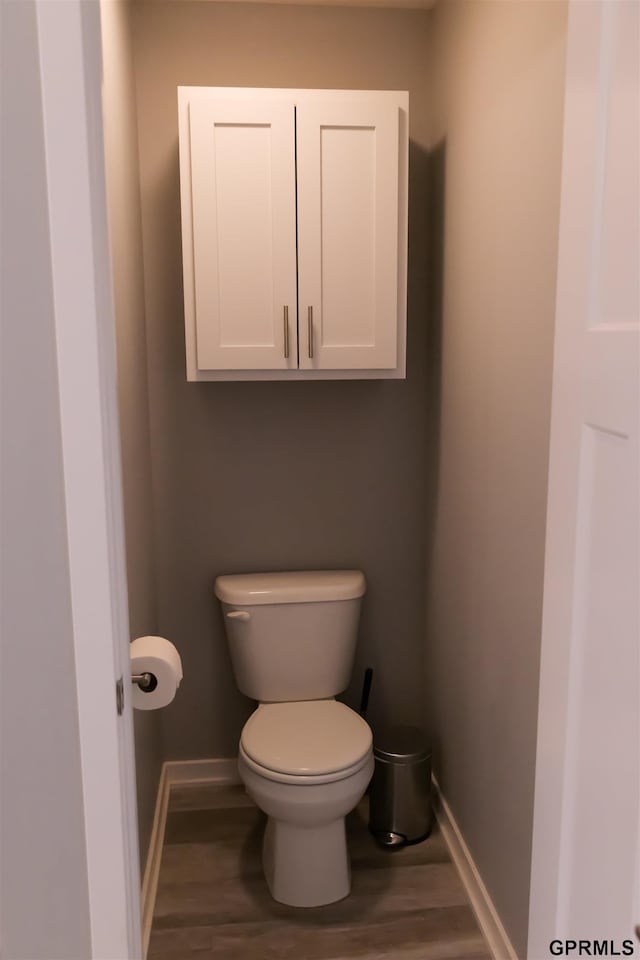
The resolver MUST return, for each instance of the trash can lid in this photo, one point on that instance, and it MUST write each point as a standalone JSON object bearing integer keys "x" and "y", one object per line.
{"x": 401, "y": 743}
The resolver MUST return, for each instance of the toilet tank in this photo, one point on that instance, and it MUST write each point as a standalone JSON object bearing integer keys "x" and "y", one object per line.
{"x": 292, "y": 636}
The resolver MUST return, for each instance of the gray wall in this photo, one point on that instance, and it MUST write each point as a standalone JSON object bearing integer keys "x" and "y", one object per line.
{"x": 278, "y": 475}
{"x": 125, "y": 227}
{"x": 44, "y": 909}
{"x": 501, "y": 81}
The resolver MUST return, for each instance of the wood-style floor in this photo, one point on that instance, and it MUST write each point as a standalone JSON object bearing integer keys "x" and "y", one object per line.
{"x": 213, "y": 902}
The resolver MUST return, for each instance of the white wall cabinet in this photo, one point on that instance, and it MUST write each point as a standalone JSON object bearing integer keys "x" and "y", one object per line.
{"x": 294, "y": 233}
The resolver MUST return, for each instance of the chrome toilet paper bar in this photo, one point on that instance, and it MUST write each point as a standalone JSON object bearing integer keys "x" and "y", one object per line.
{"x": 146, "y": 681}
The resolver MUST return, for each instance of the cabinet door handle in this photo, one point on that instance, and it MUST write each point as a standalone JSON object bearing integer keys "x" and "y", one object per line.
{"x": 310, "y": 325}
{"x": 286, "y": 333}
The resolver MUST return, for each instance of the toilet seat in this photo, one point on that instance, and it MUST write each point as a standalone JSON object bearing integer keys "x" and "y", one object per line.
{"x": 310, "y": 741}
{"x": 303, "y": 781}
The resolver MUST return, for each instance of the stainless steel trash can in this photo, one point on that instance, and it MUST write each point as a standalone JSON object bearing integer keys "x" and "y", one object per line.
{"x": 400, "y": 792}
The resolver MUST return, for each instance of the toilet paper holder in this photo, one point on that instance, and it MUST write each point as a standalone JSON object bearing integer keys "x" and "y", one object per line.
{"x": 146, "y": 681}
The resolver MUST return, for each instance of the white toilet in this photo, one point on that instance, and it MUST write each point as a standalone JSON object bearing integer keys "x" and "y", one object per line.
{"x": 304, "y": 758}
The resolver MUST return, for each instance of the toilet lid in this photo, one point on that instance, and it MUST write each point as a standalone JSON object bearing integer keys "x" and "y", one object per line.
{"x": 306, "y": 738}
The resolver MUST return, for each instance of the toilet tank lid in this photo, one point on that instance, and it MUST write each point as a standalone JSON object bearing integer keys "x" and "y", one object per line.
{"x": 300, "y": 586}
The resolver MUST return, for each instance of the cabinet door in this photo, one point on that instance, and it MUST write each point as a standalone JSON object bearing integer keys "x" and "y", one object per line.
{"x": 348, "y": 233}
{"x": 244, "y": 233}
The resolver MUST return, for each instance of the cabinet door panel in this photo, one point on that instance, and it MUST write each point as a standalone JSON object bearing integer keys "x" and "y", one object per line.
{"x": 348, "y": 233}
{"x": 244, "y": 233}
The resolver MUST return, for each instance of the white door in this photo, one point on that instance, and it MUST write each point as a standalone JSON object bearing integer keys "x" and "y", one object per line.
{"x": 586, "y": 847}
{"x": 74, "y": 209}
{"x": 241, "y": 198}
{"x": 347, "y": 156}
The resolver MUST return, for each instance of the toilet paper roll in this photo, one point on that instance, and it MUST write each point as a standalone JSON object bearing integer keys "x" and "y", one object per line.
{"x": 159, "y": 657}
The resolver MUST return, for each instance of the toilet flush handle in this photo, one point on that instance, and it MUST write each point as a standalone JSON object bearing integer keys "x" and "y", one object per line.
{"x": 238, "y": 615}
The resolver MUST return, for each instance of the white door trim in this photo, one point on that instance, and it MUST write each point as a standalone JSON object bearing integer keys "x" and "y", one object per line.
{"x": 71, "y": 78}
{"x": 592, "y": 389}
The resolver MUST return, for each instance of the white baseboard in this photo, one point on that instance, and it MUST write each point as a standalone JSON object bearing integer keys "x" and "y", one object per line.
{"x": 221, "y": 771}
{"x": 154, "y": 856}
{"x": 486, "y": 914}
{"x": 175, "y": 771}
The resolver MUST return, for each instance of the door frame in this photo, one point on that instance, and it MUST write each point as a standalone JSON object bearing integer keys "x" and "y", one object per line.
{"x": 70, "y": 57}
{"x": 71, "y": 78}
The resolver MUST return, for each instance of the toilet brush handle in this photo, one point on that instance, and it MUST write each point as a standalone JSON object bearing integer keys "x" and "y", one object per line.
{"x": 366, "y": 690}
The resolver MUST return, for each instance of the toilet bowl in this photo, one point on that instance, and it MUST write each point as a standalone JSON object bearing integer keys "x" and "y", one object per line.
{"x": 306, "y": 783}
{"x": 305, "y": 758}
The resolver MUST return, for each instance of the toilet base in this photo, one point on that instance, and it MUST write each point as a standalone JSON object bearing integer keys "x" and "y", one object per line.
{"x": 306, "y": 866}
